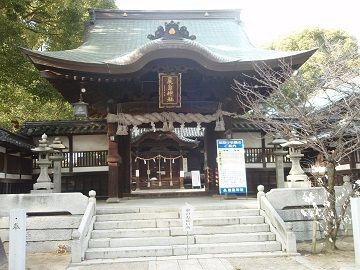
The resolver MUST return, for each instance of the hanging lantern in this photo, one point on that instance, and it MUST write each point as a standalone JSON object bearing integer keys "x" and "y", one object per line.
{"x": 80, "y": 108}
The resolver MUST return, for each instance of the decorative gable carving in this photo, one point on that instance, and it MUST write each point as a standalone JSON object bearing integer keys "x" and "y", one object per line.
{"x": 172, "y": 31}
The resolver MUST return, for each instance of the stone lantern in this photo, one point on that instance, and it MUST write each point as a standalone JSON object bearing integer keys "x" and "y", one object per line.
{"x": 297, "y": 176}
{"x": 57, "y": 157}
{"x": 43, "y": 183}
{"x": 279, "y": 154}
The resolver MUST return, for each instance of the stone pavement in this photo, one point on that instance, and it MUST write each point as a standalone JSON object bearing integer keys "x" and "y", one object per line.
{"x": 341, "y": 259}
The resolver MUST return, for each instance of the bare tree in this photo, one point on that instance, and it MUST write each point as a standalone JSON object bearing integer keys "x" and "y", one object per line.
{"x": 325, "y": 112}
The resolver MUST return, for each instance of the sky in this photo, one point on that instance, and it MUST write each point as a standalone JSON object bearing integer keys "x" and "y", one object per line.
{"x": 268, "y": 20}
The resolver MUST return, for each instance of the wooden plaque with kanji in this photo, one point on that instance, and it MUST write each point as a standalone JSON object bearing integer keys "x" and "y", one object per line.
{"x": 169, "y": 90}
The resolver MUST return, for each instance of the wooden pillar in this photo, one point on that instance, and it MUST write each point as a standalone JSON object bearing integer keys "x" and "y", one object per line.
{"x": 210, "y": 154}
{"x": 137, "y": 174}
{"x": 71, "y": 156}
{"x": 125, "y": 169}
{"x": 263, "y": 146}
{"x": 181, "y": 167}
{"x": 114, "y": 160}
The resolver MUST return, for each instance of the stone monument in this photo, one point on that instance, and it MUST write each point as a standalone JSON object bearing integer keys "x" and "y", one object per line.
{"x": 297, "y": 177}
{"x": 43, "y": 182}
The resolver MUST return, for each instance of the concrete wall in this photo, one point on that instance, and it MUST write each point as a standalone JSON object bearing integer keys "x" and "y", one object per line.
{"x": 289, "y": 202}
{"x": 82, "y": 142}
{"x": 251, "y": 139}
{"x": 90, "y": 142}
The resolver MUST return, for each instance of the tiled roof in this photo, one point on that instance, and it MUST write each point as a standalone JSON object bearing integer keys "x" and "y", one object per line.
{"x": 64, "y": 127}
{"x": 120, "y": 41}
{"x": 188, "y": 134}
{"x": 14, "y": 140}
{"x": 244, "y": 125}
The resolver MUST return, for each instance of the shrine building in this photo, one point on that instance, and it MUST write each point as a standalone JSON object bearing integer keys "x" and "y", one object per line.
{"x": 158, "y": 89}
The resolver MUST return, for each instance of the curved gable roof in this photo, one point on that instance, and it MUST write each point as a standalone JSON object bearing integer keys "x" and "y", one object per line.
{"x": 117, "y": 42}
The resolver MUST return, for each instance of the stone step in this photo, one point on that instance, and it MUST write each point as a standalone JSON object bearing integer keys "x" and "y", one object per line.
{"x": 181, "y": 240}
{"x": 229, "y": 229}
{"x": 136, "y": 233}
{"x": 134, "y": 242}
{"x": 166, "y": 213}
{"x": 137, "y": 216}
{"x": 220, "y": 248}
{"x": 178, "y": 231}
{"x": 226, "y": 213}
{"x": 160, "y": 251}
{"x": 165, "y": 223}
{"x": 128, "y": 252}
{"x": 204, "y": 210}
{"x": 235, "y": 238}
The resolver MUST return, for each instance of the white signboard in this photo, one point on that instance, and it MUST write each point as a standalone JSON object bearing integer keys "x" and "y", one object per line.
{"x": 231, "y": 166}
{"x": 187, "y": 214}
{"x": 195, "y": 179}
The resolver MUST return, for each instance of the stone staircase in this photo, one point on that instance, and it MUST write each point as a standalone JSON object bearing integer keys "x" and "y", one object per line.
{"x": 157, "y": 232}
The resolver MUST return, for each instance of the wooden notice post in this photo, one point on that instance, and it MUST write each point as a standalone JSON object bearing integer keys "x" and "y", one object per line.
{"x": 17, "y": 239}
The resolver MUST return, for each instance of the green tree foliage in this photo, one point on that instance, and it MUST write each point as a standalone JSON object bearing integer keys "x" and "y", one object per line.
{"x": 37, "y": 24}
{"x": 333, "y": 45}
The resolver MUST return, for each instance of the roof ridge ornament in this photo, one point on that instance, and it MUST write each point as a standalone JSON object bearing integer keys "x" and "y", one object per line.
{"x": 172, "y": 31}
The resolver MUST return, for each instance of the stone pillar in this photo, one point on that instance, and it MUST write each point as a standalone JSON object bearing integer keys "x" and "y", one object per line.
{"x": 57, "y": 157}
{"x": 113, "y": 160}
{"x": 279, "y": 161}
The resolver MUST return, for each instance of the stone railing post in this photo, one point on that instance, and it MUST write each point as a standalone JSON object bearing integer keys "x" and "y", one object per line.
{"x": 260, "y": 193}
{"x": 290, "y": 239}
{"x": 79, "y": 239}
{"x": 75, "y": 247}
{"x": 92, "y": 198}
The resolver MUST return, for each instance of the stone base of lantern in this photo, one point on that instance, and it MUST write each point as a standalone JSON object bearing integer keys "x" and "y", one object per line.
{"x": 297, "y": 181}
{"x": 43, "y": 187}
